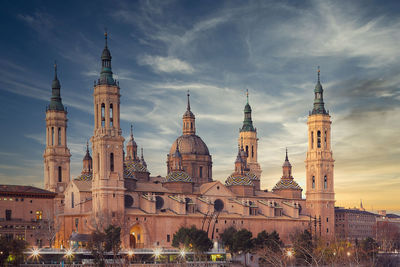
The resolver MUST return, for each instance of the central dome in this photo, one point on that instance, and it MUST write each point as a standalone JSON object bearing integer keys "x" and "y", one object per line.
{"x": 190, "y": 144}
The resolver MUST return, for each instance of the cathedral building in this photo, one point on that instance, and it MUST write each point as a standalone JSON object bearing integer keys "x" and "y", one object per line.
{"x": 116, "y": 187}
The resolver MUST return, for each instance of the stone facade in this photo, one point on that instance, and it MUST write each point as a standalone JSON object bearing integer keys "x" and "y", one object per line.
{"x": 117, "y": 188}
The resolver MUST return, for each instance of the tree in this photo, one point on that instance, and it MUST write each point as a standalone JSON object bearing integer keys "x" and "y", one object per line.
{"x": 113, "y": 239}
{"x": 243, "y": 243}
{"x": 227, "y": 237}
{"x": 97, "y": 246}
{"x": 12, "y": 251}
{"x": 303, "y": 247}
{"x": 192, "y": 239}
{"x": 270, "y": 248}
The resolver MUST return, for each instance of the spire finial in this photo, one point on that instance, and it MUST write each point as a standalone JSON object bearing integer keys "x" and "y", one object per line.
{"x": 286, "y": 159}
{"x": 318, "y": 73}
{"x": 55, "y": 69}
{"x": 188, "y": 100}
{"x": 247, "y": 95}
{"x": 87, "y": 146}
{"x": 131, "y": 131}
{"x": 105, "y": 35}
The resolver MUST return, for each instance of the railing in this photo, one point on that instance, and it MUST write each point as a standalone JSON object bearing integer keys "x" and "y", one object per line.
{"x": 183, "y": 264}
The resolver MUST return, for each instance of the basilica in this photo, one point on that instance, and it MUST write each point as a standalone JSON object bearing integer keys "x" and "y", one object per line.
{"x": 116, "y": 186}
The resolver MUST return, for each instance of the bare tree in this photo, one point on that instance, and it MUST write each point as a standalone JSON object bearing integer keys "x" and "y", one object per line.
{"x": 48, "y": 225}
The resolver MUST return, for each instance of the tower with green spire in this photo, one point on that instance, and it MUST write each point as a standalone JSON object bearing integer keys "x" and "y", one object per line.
{"x": 249, "y": 141}
{"x": 56, "y": 155}
{"x": 320, "y": 192}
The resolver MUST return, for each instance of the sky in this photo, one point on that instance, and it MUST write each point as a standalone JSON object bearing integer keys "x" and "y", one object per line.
{"x": 217, "y": 50}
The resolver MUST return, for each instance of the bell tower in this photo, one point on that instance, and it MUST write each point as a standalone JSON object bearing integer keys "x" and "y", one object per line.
{"x": 108, "y": 180}
{"x": 248, "y": 139}
{"x": 319, "y": 167}
{"x": 56, "y": 155}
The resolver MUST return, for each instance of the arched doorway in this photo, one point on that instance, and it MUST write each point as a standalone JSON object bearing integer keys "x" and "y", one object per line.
{"x": 136, "y": 237}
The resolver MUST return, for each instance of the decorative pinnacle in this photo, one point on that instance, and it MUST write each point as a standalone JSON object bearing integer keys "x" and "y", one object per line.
{"x": 141, "y": 153}
{"x": 105, "y": 35}
{"x": 188, "y": 100}
{"x": 247, "y": 95}
{"x": 318, "y": 71}
{"x": 55, "y": 70}
{"x": 131, "y": 131}
{"x": 87, "y": 146}
{"x": 286, "y": 159}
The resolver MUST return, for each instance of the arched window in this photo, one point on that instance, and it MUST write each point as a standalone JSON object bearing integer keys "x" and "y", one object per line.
{"x": 111, "y": 115}
{"x": 52, "y": 136}
{"x": 319, "y": 139}
{"x": 159, "y": 202}
{"x": 312, "y": 140}
{"x": 112, "y": 162}
{"x": 325, "y": 182}
{"x": 103, "y": 119}
{"x": 201, "y": 172}
{"x": 72, "y": 200}
{"x": 191, "y": 126}
{"x": 247, "y": 150}
{"x": 59, "y": 174}
{"x": 252, "y": 151}
{"x": 59, "y": 136}
{"x": 313, "y": 182}
{"x": 325, "y": 140}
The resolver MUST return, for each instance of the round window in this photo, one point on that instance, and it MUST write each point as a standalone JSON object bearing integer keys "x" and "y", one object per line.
{"x": 128, "y": 201}
{"x": 218, "y": 205}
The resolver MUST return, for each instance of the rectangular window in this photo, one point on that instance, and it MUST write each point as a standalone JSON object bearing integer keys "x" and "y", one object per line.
{"x": 39, "y": 214}
{"x": 201, "y": 171}
{"x": 59, "y": 136}
{"x": 112, "y": 162}
{"x": 8, "y": 215}
{"x": 319, "y": 139}
{"x": 312, "y": 140}
{"x": 168, "y": 238}
{"x": 52, "y": 136}
{"x": 59, "y": 174}
{"x": 111, "y": 115}
{"x": 72, "y": 200}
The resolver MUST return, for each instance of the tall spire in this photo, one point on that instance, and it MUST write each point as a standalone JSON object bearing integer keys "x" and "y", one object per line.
{"x": 56, "y": 102}
{"x": 286, "y": 159}
{"x": 319, "y": 107}
{"x": 131, "y": 132}
{"x": 106, "y": 75}
{"x": 188, "y": 101}
{"x": 142, "y": 161}
{"x": 287, "y": 167}
{"x": 247, "y": 122}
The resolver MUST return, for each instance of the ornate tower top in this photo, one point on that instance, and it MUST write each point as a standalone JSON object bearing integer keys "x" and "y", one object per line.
{"x": 319, "y": 97}
{"x": 56, "y": 102}
{"x": 189, "y": 127}
{"x": 247, "y": 122}
{"x": 106, "y": 75}
{"x": 287, "y": 167}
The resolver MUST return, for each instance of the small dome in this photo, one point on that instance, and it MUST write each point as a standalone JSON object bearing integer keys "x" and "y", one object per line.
{"x": 106, "y": 54}
{"x": 247, "y": 108}
{"x": 190, "y": 144}
{"x": 318, "y": 87}
{"x": 84, "y": 177}
{"x": 286, "y": 184}
{"x": 188, "y": 113}
{"x": 178, "y": 176}
{"x": 238, "y": 179}
{"x": 131, "y": 167}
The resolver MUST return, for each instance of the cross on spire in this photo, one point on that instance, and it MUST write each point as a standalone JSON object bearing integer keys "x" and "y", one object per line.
{"x": 247, "y": 95}
{"x": 318, "y": 71}
{"x": 105, "y": 35}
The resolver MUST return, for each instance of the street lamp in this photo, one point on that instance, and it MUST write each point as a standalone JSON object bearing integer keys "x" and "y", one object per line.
{"x": 182, "y": 253}
{"x": 289, "y": 253}
{"x": 157, "y": 253}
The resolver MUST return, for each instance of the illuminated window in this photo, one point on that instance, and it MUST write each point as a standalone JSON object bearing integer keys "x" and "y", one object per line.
{"x": 39, "y": 215}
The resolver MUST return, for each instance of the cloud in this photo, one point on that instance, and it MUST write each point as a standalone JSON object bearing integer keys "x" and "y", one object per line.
{"x": 165, "y": 64}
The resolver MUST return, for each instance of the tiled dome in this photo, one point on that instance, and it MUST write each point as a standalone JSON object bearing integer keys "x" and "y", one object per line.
{"x": 252, "y": 176}
{"x": 84, "y": 177}
{"x": 131, "y": 167}
{"x": 178, "y": 176}
{"x": 190, "y": 144}
{"x": 238, "y": 179}
{"x": 286, "y": 184}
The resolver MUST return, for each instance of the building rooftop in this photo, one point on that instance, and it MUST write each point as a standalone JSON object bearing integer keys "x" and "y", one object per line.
{"x": 24, "y": 190}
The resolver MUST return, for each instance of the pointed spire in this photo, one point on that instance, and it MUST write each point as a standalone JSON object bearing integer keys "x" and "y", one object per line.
{"x": 286, "y": 159}
{"x": 188, "y": 100}
{"x": 87, "y": 146}
{"x": 55, "y": 102}
{"x": 319, "y": 96}
{"x": 131, "y": 132}
{"x": 247, "y": 122}
{"x": 105, "y": 37}
{"x": 106, "y": 75}
{"x": 87, "y": 155}
{"x": 142, "y": 161}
